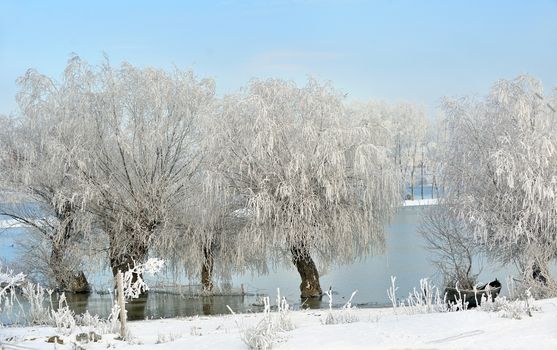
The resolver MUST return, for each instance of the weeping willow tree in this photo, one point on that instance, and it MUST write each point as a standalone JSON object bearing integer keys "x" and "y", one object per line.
{"x": 205, "y": 239}
{"x": 501, "y": 168}
{"x": 406, "y": 123}
{"x": 37, "y": 153}
{"x": 144, "y": 148}
{"x": 311, "y": 182}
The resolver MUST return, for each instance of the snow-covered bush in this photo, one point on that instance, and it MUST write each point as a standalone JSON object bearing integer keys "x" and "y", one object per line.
{"x": 41, "y": 312}
{"x": 102, "y": 326}
{"x": 268, "y": 330}
{"x": 425, "y": 300}
{"x": 342, "y": 315}
{"x": 63, "y": 317}
{"x": 506, "y": 308}
{"x": 166, "y": 338}
{"x": 38, "y": 313}
{"x": 459, "y": 302}
{"x": 8, "y": 284}
{"x": 391, "y": 292}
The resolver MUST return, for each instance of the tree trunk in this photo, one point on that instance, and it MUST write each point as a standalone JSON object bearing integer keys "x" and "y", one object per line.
{"x": 310, "y": 287}
{"x": 412, "y": 170}
{"x": 422, "y": 176}
{"x": 135, "y": 253}
{"x": 207, "y": 270}
{"x": 67, "y": 280}
{"x": 433, "y": 186}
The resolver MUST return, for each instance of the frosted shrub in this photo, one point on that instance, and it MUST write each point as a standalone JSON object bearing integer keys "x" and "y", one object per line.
{"x": 263, "y": 334}
{"x": 167, "y": 338}
{"x": 284, "y": 321}
{"x": 8, "y": 284}
{"x": 39, "y": 312}
{"x": 268, "y": 331}
{"x": 88, "y": 320}
{"x": 425, "y": 300}
{"x": 111, "y": 324}
{"x": 63, "y": 318}
{"x": 343, "y": 315}
{"x": 459, "y": 303}
{"x": 35, "y": 295}
{"x": 43, "y": 313}
{"x": 101, "y": 326}
{"x": 506, "y": 308}
{"x": 391, "y": 292}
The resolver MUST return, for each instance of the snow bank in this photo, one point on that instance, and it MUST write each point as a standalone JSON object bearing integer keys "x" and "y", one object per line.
{"x": 417, "y": 202}
{"x": 377, "y": 329}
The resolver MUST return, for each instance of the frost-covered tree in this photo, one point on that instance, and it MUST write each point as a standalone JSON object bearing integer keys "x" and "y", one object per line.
{"x": 407, "y": 126}
{"x": 38, "y": 179}
{"x": 501, "y": 172}
{"x": 311, "y": 181}
{"x": 409, "y": 131}
{"x": 144, "y": 147}
{"x": 433, "y": 153}
{"x": 205, "y": 240}
{"x": 113, "y": 150}
{"x": 452, "y": 246}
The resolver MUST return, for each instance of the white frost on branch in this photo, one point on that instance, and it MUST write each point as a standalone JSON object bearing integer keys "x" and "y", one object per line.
{"x": 134, "y": 284}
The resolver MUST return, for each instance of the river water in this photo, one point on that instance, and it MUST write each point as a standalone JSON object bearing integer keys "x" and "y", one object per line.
{"x": 405, "y": 257}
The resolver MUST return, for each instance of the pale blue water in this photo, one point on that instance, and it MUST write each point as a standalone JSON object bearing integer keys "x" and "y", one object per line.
{"x": 405, "y": 258}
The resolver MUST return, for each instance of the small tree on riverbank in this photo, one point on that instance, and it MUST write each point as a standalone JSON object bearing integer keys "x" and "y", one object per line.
{"x": 452, "y": 246}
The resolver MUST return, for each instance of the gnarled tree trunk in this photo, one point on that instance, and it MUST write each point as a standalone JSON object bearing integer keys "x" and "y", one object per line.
{"x": 67, "y": 280}
{"x": 207, "y": 270}
{"x": 310, "y": 287}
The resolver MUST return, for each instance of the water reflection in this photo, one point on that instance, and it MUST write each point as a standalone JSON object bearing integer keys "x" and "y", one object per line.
{"x": 136, "y": 308}
{"x": 79, "y": 302}
{"x": 312, "y": 303}
{"x": 404, "y": 258}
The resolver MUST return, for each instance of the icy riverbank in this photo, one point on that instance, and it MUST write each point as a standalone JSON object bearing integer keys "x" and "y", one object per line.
{"x": 374, "y": 329}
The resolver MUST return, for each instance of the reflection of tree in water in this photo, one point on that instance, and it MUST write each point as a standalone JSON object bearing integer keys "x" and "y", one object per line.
{"x": 78, "y": 302}
{"x": 136, "y": 308}
{"x": 312, "y": 303}
{"x": 207, "y": 305}
{"x": 163, "y": 305}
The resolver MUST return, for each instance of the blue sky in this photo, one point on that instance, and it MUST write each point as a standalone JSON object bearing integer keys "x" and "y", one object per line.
{"x": 412, "y": 50}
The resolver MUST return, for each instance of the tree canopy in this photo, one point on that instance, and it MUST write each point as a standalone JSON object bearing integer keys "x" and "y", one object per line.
{"x": 501, "y": 171}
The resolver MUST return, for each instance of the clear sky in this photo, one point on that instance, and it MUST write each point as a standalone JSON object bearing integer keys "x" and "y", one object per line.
{"x": 412, "y": 50}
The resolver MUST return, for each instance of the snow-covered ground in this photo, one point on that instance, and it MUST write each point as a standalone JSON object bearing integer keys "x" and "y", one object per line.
{"x": 415, "y": 202}
{"x": 376, "y": 329}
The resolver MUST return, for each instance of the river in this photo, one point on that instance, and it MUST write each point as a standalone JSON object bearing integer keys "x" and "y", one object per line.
{"x": 405, "y": 257}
